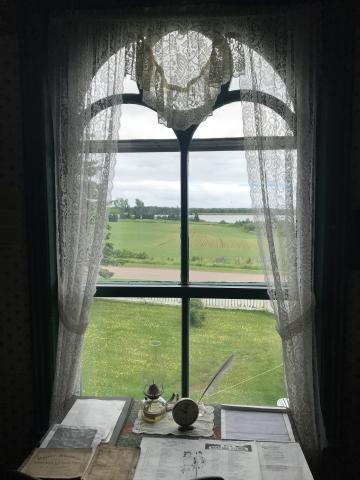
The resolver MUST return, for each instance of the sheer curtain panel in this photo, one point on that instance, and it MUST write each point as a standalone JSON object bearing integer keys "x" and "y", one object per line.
{"x": 282, "y": 193}
{"x": 83, "y": 179}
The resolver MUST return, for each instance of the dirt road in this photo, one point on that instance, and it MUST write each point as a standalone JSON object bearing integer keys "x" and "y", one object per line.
{"x": 172, "y": 275}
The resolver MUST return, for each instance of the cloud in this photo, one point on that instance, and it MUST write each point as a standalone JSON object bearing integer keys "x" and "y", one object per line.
{"x": 218, "y": 167}
{"x": 139, "y": 122}
{"x": 151, "y": 192}
{"x": 230, "y": 195}
{"x": 225, "y": 121}
{"x": 215, "y": 178}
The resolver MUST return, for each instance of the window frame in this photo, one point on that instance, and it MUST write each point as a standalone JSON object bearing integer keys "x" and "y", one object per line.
{"x": 184, "y": 143}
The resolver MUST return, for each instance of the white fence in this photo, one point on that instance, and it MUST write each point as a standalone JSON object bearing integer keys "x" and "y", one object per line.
{"x": 229, "y": 303}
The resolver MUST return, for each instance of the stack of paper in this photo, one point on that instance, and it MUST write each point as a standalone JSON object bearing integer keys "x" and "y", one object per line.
{"x": 88, "y": 422}
{"x": 254, "y": 424}
{"x": 95, "y": 413}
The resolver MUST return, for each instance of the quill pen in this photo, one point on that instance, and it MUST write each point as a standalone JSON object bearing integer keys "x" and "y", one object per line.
{"x": 220, "y": 373}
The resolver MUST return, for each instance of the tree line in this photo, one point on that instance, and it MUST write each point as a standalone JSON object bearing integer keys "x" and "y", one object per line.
{"x": 121, "y": 208}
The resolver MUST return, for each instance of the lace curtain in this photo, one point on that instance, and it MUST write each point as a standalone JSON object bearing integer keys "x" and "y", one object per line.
{"x": 281, "y": 188}
{"x": 180, "y": 66}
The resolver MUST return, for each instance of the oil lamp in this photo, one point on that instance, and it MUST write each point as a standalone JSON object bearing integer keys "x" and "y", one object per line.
{"x": 154, "y": 406}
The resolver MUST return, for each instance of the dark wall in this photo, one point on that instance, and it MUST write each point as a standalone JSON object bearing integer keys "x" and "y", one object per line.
{"x": 16, "y": 376}
{"x": 351, "y": 317}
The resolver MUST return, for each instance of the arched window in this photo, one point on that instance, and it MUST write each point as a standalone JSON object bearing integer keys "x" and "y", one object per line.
{"x": 181, "y": 260}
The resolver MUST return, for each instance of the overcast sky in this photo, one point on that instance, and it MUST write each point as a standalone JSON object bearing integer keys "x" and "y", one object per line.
{"x": 216, "y": 179}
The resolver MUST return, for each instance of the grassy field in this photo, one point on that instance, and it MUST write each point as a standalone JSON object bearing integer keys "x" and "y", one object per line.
{"x": 212, "y": 245}
{"x": 116, "y": 356}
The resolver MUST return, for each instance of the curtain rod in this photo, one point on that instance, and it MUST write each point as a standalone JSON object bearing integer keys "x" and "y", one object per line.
{"x": 200, "y": 10}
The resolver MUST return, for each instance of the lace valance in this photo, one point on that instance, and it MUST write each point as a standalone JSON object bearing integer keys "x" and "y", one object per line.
{"x": 180, "y": 70}
{"x": 180, "y": 64}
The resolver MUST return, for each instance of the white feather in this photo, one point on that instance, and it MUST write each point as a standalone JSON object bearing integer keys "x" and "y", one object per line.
{"x": 220, "y": 373}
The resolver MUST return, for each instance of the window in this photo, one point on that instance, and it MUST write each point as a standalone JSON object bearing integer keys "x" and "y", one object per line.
{"x": 181, "y": 262}
{"x": 41, "y": 207}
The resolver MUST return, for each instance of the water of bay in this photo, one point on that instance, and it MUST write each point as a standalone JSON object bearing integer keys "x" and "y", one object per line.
{"x": 228, "y": 218}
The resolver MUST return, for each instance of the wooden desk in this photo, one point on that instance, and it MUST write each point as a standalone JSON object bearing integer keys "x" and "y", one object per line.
{"x": 129, "y": 439}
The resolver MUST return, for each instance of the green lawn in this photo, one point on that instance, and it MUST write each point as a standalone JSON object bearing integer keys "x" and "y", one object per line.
{"x": 212, "y": 245}
{"x": 117, "y": 361}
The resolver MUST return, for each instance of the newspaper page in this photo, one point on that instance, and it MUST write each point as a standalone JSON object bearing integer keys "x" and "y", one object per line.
{"x": 283, "y": 461}
{"x": 185, "y": 459}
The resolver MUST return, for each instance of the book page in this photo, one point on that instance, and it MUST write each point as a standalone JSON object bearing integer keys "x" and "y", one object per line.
{"x": 113, "y": 463}
{"x": 58, "y": 462}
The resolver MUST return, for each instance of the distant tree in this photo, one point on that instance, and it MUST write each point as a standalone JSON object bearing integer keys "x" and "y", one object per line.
{"x": 196, "y": 217}
{"x": 108, "y": 249}
{"x": 122, "y": 204}
{"x": 174, "y": 213}
{"x": 249, "y": 226}
{"x": 197, "y": 312}
{"x": 139, "y": 208}
{"x": 105, "y": 273}
{"x": 108, "y": 232}
{"x": 113, "y": 217}
{"x": 91, "y": 170}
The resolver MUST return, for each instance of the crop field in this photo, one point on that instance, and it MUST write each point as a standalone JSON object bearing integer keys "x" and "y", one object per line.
{"x": 117, "y": 357}
{"x": 212, "y": 245}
